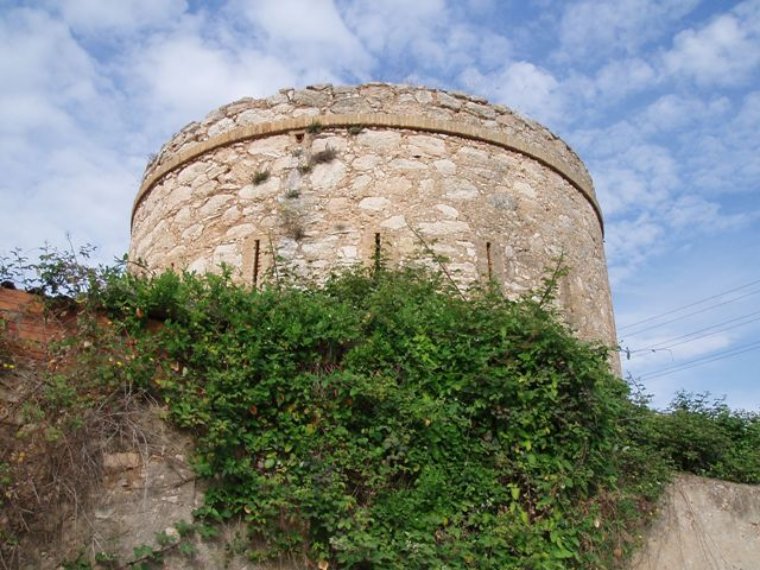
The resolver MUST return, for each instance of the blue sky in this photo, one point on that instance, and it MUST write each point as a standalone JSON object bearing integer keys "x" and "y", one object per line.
{"x": 661, "y": 99}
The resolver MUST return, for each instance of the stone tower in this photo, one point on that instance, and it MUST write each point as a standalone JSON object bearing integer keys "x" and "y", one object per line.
{"x": 310, "y": 180}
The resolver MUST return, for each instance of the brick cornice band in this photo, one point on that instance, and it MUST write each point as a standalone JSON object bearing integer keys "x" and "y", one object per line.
{"x": 412, "y": 122}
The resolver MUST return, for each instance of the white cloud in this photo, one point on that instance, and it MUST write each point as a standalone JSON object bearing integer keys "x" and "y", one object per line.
{"x": 632, "y": 175}
{"x": 597, "y": 28}
{"x": 38, "y": 54}
{"x": 306, "y": 34}
{"x": 296, "y": 21}
{"x": 622, "y": 77}
{"x": 397, "y": 26}
{"x": 57, "y": 117}
{"x": 523, "y": 86}
{"x": 97, "y": 16}
{"x": 714, "y": 138}
{"x": 629, "y": 243}
{"x": 690, "y": 212}
{"x": 725, "y": 52}
{"x": 182, "y": 77}
{"x": 675, "y": 112}
{"x": 84, "y": 189}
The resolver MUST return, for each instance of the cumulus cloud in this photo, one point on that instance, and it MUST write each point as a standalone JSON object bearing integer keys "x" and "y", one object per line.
{"x": 689, "y": 211}
{"x": 622, "y": 77}
{"x": 629, "y": 243}
{"x": 433, "y": 40}
{"x": 57, "y": 116}
{"x": 675, "y": 112}
{"x": 306, "y": 34}
{"x": 715, "y": 139}
{"x": 596, "y": 29}
{"x": 644, "y": 196}
{"x": 726, "y": 51}
{"x": 38, "y": 55}
{"x": 525, "y": 87}
{"x": 397, "y": 26}
{"x": 181, "y": 77}
{"x": 124, "y": 16}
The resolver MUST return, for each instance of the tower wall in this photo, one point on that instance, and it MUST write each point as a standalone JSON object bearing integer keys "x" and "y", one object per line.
{"x": 307, "y": 181}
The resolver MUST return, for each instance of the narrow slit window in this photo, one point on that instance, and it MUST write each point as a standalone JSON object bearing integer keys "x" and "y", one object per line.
{"x": 376, "y": 257}
{"x": 490, "y": 260}
{"x": 256, "y": 262}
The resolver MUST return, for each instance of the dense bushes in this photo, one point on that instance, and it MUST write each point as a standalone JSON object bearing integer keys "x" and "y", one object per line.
{"x": 703, "y": 436}
{"x": 386, "y": 421}
{"x": 383, "y": 421}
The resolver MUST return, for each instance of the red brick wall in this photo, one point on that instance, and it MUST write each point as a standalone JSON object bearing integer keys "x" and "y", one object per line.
{"x": 28, "y": 327}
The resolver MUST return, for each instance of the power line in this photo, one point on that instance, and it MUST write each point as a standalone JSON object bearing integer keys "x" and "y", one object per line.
{"x": 730, "y": 353}
{"x": 700, "y": 362}
{"x": 698, "y": 311}
{"x": 744, "y": 318}
{"x": 693, "y": 304}
{"x": 694, "y": 335}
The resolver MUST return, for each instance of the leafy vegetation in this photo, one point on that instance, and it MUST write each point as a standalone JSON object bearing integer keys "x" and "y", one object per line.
{"x": 702, "y": 435}
{"x": 384, "y": 421}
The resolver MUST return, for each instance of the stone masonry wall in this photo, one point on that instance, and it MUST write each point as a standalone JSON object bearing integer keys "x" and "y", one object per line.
{"x": 310, "y": 180}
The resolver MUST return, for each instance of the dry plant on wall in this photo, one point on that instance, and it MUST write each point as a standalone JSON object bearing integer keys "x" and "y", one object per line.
{"x": 324, "y": 156}
{"x": 259, "y": 177}
{"x": 73, "y": 403}
{"x": 292, "y": 222}
{"x": 55, "y": 437}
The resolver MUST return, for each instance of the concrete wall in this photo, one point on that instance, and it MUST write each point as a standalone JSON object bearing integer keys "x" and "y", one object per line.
{"x": 704, "y": 524}
{"x": 416, "y": 173}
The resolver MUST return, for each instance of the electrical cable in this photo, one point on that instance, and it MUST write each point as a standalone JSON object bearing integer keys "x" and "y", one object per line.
{"x": 702, "y": 360}
{"x": 698, "y": 302}
{"x": 698, "y": 311}
{"x": 699, "y": 336}
{"x": 666, "y": 344}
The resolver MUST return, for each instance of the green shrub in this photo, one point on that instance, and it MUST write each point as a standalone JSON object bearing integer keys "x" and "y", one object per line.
{"x": 381, "y": 420}
{"x": 703, "y": 436}
{"x": 385, "y": 421}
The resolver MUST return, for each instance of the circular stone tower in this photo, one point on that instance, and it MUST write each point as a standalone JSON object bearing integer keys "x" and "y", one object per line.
{"x": 310, "y": 180}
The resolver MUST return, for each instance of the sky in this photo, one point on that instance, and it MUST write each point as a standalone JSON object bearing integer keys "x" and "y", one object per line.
{"x": 660, "y": 98}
